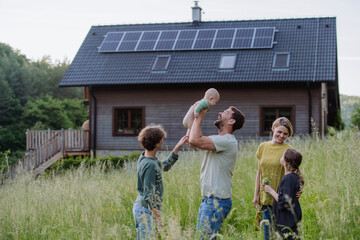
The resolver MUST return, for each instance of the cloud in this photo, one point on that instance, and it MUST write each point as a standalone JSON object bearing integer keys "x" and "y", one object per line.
{"x": 349, "y": 58}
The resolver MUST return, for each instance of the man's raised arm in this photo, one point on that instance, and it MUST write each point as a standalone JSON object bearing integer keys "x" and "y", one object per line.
{"x": 196, "y": 138}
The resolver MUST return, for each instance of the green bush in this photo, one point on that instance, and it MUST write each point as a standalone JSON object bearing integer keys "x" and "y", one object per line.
{"x": 106, "y": 163}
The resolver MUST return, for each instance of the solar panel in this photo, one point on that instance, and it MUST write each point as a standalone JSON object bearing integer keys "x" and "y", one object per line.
{"x": 225, "y": 33}
{"x": 114, "y": 36}
{"x": 242, "y": 43}
{"x": 202, "y": 39}
{"x": 262, "y": 43}
{"x": 109, "y": 46}
{"x": 132, "y": 36}
{"x": 203, "y": 44}
{"x": 264, "y": 32}
{"x": 264, "y": 38}
{"x": 150, "y": 36}
{"x": 244, "y": 33}
{"x": 190, "y": 34}
{"x": 127, "y": 46}
{"x": 206, "y": 34}
{"x": 145, "y": 45}
{"x": 111, "y": 41}
{"x": 222, "y": 43}
{"x": 168, "y": 35}
{"x": 165, "y": 45}
{"x": 183, "y": 44}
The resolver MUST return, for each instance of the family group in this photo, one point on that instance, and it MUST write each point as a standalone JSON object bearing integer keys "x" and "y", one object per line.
{"x": 278, "y": 182}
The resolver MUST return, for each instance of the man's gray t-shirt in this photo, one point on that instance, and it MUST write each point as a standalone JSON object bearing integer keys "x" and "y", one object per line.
{"x": 218, "y": 166}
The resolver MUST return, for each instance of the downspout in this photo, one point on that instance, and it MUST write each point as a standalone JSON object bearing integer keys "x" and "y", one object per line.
{"x": 314, "y": 77}
{"x": 93, "y": 126}
{"x": 310, "y": 106}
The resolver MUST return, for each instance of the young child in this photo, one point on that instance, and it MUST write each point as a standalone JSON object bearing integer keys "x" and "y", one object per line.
{"x": 210, "y": 99}
{"x": 147, "y": 207}
{"x": 286, "y": 206}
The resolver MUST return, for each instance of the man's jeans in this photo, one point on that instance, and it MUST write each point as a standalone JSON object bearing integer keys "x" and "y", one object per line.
{"x": 212, "y": 213}
{"x": 144, "y": 222}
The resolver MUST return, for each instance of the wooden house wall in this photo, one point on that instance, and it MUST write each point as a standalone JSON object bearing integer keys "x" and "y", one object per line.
{"x": 168, "y": 107}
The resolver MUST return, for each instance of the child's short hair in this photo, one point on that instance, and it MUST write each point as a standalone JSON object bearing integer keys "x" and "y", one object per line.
{"x": 150, "y": 136}
{"x": 283, "y": 121}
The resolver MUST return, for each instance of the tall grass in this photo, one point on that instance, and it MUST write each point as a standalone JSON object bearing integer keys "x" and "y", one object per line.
{"x": 93, "y": 204}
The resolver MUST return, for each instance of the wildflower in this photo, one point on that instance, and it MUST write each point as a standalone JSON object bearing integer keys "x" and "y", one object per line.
{"x": 266, "y": 181}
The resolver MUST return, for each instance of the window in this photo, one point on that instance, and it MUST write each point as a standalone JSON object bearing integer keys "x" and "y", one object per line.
{"x": 281, "y": 60}
{"x": 227, "y": 61}
{"x": 161, "y": 63}
{"x": 128, "y": 121}
{"x": 270, "y": 114}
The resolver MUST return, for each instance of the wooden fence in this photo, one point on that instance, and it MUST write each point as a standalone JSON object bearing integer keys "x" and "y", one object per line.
{"x": 43, "y": 145}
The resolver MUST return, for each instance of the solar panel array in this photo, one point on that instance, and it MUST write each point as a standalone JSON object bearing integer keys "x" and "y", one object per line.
{"x": 202, "y": 39}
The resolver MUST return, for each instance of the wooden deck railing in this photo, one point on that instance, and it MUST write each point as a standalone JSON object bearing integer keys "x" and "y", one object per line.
{"x": 73, "y": 140}
{"x": 43, "y": 145}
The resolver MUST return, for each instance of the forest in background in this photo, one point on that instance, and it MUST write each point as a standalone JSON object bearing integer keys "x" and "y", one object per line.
{"x": 347, "y": 105}
{"x": 30, "y": 98}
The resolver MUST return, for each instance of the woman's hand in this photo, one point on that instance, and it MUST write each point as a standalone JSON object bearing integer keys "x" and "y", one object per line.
{"x": 298, "y": 194}
{"x": 256, "y": 202}
{"x": 268, "y": 188}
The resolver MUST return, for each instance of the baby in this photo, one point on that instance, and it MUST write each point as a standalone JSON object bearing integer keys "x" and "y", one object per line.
{"x": 210, "y": 99}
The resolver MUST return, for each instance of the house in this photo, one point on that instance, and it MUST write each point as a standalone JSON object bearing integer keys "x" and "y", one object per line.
{"x": 135, "y": 75}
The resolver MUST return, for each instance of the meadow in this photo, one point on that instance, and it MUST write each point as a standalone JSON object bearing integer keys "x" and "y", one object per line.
{"x": 90, "y": 203}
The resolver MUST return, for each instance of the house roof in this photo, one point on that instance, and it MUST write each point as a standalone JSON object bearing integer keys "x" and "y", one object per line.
{"x": 311, "y": 43}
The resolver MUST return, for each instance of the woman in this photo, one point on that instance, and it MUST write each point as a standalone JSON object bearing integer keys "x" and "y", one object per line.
{"x": 146, "y": 209}
{"x": 270, "y": 171}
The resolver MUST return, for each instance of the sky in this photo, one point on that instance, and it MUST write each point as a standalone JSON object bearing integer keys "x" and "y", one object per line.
{"x": 39, "y": 28}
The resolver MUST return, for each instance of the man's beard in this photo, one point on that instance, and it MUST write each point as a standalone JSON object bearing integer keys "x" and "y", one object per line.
{"x": 218, "y": 124}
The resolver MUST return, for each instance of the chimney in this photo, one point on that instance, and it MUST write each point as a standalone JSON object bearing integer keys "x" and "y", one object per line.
{"x": 196, "y": 13}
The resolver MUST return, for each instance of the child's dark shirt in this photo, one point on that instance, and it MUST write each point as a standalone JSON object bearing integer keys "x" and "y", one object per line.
{"x": 288, "y": 187}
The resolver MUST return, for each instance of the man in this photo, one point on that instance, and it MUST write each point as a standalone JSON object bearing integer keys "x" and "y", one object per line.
{"x": 217, "y": 168}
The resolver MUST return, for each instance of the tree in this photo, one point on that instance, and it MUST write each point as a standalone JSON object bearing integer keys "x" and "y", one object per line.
{"x": 355, "y": 116}
{"x": 46, "y": 112}
{"x": 30, "y": 98}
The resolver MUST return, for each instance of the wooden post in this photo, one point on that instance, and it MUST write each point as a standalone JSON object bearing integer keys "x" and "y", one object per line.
{"x": 62, "y": 142}
{"x": 82, "y": 139}
{"x": 27, "y": 139}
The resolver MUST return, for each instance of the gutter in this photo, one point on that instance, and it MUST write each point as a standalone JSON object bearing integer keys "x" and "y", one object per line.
{"x": 93, "y": 126}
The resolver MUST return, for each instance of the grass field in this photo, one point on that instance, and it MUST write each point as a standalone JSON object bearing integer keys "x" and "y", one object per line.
{"x": 93, "y": 204}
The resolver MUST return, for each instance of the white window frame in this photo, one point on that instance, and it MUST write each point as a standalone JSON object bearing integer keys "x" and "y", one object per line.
{"x": 224, "y": 56}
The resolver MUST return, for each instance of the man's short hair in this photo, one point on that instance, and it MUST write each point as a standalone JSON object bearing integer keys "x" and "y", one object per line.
{"x": 239, "y": 118}
{"x": 150, "y": 136}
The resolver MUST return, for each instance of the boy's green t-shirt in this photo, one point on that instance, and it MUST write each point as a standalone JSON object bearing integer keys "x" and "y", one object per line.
{"x": 271, "y": 171}
{"x": 149, "y": 180}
